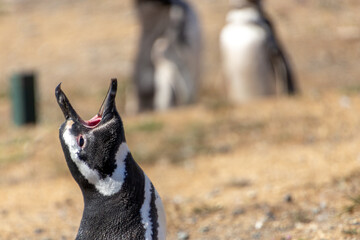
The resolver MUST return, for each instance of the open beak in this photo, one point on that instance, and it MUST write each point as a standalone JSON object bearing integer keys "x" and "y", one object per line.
{"x": 106, "y": 110}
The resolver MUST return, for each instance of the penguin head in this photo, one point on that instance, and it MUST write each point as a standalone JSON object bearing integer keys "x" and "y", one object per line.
{"x": 91, "y": 147}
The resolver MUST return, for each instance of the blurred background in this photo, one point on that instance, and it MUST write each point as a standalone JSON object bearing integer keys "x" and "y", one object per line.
{"x": 279, "y": 168}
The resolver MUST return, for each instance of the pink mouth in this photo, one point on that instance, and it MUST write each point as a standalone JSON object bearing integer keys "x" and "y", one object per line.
{"x": 93, "y": 122}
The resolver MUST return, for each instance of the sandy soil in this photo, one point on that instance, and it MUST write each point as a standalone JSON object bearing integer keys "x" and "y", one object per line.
{"x": 273, "y": 169}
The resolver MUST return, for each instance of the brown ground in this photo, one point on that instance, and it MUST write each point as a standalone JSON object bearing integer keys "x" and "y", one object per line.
{"x": 273, "y": 169}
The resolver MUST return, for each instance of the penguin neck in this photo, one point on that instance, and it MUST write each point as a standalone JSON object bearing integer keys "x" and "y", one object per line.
{"x": 249, "y": 14}
{"x": 107, "y": 212}
{"x": 123, "y": 182}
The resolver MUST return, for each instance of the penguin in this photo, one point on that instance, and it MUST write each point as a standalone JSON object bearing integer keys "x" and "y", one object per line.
{"x": 168, "y": 63}
{"x": 120, "y": 202}
{"x": 255, "y": 65}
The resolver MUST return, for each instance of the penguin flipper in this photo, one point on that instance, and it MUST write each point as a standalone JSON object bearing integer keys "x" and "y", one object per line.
{"x": 283, "y": 70}
{"x": 281, "y": 65}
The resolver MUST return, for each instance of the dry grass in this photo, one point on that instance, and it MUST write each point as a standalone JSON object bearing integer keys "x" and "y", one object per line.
{"x": 224, "y": 172}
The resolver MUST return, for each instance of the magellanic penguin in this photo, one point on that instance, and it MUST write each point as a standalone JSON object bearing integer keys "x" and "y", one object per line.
{"x": 168, "y": 63}
{"x": 255, "y": 65}
{"x": 120, "y": 202}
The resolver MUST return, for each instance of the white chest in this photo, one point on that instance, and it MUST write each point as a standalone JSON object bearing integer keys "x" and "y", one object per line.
{"x": 247, "y": 65}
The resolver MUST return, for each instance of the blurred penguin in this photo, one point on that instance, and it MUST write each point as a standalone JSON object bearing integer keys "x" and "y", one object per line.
{"x": 255, "y": 65}
{"x": 167, "y": 68}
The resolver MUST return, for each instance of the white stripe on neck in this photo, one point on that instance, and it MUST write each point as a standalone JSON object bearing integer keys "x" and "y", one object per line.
{"x": 145, "y": 209}
{"x": 161, "y": 217}
{"x": 109, "y": 185}
{"x": 146, "y": 213}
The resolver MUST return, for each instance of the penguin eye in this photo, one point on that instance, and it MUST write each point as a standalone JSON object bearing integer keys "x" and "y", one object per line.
{"x": 81, "y": 141}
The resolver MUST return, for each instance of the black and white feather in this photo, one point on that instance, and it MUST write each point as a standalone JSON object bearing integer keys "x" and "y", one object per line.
{"x": 120, "y": 202}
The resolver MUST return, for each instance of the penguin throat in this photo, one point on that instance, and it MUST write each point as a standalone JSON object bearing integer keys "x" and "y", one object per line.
{"x": 93, "y": 122}
{"x": 109, "y": 185}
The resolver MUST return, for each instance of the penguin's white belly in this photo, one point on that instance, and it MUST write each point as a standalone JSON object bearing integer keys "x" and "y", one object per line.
{"x": 246, "y": 62}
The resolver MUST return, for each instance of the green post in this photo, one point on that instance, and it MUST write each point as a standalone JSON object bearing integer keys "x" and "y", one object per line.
{"x": 23, "y": 98}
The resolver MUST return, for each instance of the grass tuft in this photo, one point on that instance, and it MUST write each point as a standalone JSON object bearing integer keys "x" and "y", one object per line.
{"x": 353, "y": 206}
{"x": 148, "y": 126}
{"x": 206, "y": 209}
{"x": 351, "y": 232}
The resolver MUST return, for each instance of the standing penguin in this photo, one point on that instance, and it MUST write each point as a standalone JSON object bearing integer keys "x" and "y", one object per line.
{"x": 252, "y": 56}
{"x": 167, "y": 67}
{"x": 120, "y": 202}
